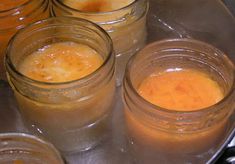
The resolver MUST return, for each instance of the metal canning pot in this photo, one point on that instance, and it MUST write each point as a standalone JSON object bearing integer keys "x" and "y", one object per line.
{"x": 208, "y": 21}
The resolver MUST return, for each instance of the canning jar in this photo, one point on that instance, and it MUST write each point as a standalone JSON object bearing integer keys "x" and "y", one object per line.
{"x": 125, "y": 25}
{"x": 74, "y": 115}
{"x": 19, "y": 148}
{"x": 15, "y": 15}
{"x": 159, "y": 134}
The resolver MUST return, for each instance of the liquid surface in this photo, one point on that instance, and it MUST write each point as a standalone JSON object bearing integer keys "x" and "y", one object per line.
{"x": 97, "y": 5}
{"x": 10, "y": 4}
{"x": 61, "y": 62}
{"x": 184, "y": 90}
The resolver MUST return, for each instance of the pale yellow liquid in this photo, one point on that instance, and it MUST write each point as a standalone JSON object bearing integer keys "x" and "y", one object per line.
{"x": 61, "y": 62}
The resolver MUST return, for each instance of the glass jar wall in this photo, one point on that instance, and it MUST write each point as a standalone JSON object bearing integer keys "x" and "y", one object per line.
{"x": 74, "y": 115}
{"x": 171, "y": 136}
{"x": 21, "y": 148}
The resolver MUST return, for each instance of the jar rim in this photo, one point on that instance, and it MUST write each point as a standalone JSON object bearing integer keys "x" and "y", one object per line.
{"x": 198, "y": 112}
{"x": 24, "y": 137}
{"x": 109, "y": 57}
{"x": 18, "y": 7}
{"x": 98, "y": 13}
{"x": 21, "y": 15}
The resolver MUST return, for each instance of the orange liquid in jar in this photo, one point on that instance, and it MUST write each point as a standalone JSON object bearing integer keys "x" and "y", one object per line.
{"x": 184, "y": 90}
{"x": 61, "y": 62}
{"x": 97, "y": 5}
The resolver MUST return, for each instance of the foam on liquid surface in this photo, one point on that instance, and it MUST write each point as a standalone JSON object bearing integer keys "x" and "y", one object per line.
{"x": 61, "y": 62}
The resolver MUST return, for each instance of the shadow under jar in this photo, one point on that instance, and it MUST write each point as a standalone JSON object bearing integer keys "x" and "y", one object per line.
{"x": 125, "y": 22}
{"x": 74, "y": 115}
{"x": 164, "y": 135}
{"x": 20, "y": 148}
{"x": 15, "y": 15}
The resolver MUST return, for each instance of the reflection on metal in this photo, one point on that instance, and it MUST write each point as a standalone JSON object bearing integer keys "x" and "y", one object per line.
{"x": 231, "y": 5}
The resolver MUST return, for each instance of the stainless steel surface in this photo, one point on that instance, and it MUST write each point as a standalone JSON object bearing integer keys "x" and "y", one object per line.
{"x": 231, "y": 5}
{"x": 205, "y": 20}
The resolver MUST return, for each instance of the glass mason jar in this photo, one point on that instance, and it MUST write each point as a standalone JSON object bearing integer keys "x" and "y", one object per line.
{"x": 169, "y": 136}
{"x": 15, "y": 15}
{"x": 20, "y": 148}
{"x": 126, "y": 26}
{"x": 73, "y": 115}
